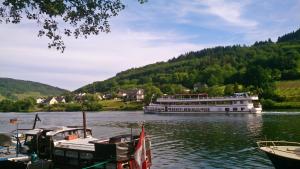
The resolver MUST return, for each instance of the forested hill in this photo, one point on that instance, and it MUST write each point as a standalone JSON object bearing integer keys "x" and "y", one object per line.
{"x": 18, "y": 89}
{"x": 254, "y": 67}
{"x": 293, "y": 36}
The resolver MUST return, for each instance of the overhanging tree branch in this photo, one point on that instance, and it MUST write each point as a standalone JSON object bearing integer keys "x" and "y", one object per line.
{"x": 82, "y": 17}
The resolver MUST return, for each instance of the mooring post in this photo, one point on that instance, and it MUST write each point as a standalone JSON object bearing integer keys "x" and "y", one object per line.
{"x": 17, "y": 148}
{"x": 84, "y": 124}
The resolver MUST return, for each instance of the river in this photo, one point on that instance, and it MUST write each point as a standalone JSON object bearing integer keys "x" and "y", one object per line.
{"x": 184, "y": 141}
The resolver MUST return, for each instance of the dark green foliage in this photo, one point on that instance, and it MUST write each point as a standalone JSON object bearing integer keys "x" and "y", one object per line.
{"x": 91, "y": 106}
{"x": 7, "y": 106}
{"x": 255, "y": 67}
{"x": 10, "y": 88}
{"x": 229, "y": 90}
{"x": 268, "y": 103}
{"x": 151, "y": 93}
{"x": 73, "y": 107}
{"x": 24, "y": 105}
{"x": 63, "y": 17}
{"x": 293, "y": 36}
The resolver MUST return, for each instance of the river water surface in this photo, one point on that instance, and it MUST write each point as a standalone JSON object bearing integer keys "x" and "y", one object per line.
{"x": 184, "y": 141}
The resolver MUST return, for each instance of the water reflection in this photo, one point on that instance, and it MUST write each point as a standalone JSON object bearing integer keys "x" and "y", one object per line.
{"x": 185, "y": 141}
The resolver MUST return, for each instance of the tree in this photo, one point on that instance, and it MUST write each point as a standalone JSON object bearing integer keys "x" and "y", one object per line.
{"x": 81, "y": 17}
{"x": 151, "y": 93}
{"x": 229, "y": 90}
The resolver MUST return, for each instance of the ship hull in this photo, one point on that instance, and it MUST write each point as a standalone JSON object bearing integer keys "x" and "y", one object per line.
{"x": 281, "y": 162}
{"x": 201, "y": 110}
{"x": 12, "y": 165}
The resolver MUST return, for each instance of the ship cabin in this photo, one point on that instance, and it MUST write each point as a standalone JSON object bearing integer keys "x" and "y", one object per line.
{"x": 239, "y": 102}
{"x": 69, "y": 148}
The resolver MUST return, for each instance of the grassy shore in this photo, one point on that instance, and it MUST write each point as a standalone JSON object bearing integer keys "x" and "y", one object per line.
{"x": 120, "y": 105}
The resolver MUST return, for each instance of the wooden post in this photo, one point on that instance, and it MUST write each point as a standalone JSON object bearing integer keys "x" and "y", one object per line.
{"x": 84, "y": 124}
{"x": 37, "y": 118}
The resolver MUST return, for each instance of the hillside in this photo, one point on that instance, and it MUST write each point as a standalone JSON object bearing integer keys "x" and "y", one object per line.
{"x": 290, "y": 90}
{"x": 19, "y": 89}
{"x": 254, "y": 67}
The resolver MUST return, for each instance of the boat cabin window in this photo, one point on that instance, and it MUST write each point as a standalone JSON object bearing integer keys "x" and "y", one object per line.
{"x": 28, "y": 138}
{"x": 59, "y": 136}
{"x": 59, "y": 153}
{"x": 86, "y": 156}
{"x": 72, "y": 154}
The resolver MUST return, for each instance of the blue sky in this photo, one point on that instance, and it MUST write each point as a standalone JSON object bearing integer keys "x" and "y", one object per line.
{"x": 142, "y": 34}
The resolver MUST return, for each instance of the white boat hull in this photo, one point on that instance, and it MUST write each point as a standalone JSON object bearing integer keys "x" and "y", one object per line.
{"x": 201, "y": 110}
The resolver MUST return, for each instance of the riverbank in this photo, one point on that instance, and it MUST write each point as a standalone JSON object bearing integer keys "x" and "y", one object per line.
{"x": 119, "y": 105}
{"x": 103, "y": 105}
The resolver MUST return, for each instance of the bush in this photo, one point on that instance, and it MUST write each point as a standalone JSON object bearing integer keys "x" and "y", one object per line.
{"x": 92, "y": 106}
{"x": 268, "y": 103}
{"x": 73, "y": 107}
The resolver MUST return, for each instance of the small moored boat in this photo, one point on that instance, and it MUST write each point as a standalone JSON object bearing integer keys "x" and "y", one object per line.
{"x": 74, "y": 147}
{"x": 283, "y": 154}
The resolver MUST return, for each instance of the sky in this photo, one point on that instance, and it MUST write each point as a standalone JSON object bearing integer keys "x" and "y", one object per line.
{"x": 143, "y": 34}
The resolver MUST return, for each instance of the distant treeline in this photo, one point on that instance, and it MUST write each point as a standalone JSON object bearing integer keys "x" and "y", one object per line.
{"x": 255, "y": 68}
{"x": 29, "y": 105}
{"x": 12, "y": 89}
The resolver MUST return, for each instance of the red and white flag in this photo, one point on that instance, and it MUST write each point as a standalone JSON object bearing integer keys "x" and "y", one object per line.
{"x": 140, "y": 152}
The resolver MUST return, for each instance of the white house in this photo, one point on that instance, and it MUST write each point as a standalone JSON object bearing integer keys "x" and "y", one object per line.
{"x": 135, "y": 95}
{"x": 40, "y": 100}
{"x": 50, "y": 101}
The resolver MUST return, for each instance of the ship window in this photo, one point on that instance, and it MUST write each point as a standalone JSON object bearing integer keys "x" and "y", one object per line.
{"x": 234, "y": 109}
{"x": 59, "y": 153}
{"x": 72, "y": 154}
{"x": 86, "y": 156}
{"x": 59, "y": 136}
{"x": 242, "y": 102}
{"x": 28, "y": 139}
{"x": 242, "y": 109}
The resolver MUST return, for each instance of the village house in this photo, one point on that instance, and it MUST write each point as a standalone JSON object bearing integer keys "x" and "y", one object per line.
{"x": 50, "y": 101}
{"x": 135, "y": 95}
{"x": 121, "y": 94}
{"x": 54, "y": 100}
{"x": 79, "y": 97}
{"x": 40, "y": 100}
{"x": 60, "y": 99}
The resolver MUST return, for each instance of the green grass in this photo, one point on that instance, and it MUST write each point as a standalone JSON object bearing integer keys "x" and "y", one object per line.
{"x": 29, "y": 94}
{"x": 290, "y": 90}
{"x": 1, "y": 97}
{"x": 283, "y": 106}
{"x": 120, "y": 105}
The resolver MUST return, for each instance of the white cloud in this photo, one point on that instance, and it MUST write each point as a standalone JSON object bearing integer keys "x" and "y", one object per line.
{"x": 26, "y": 57}
{"x": 230, "y": 12}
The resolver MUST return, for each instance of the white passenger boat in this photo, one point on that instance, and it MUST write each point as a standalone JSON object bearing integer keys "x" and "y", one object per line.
{"x": 201, "y": 103}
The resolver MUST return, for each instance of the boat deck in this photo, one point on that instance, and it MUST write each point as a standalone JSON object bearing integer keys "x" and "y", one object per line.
{"x": 292, "y": 152}
{"x": 83, "y": 144}
{"x": 12, "y": 155}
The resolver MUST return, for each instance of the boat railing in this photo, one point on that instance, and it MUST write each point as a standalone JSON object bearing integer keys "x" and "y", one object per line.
{"x": 202, "y": 98}
{"x": 277, "y": 143}
{"x": 100, "y": 165}
{"x": 274, "y": 144}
